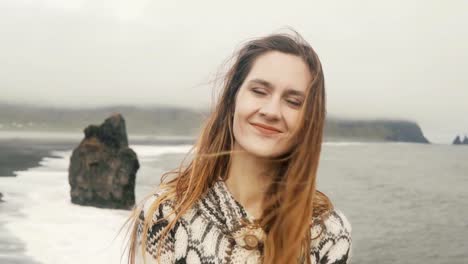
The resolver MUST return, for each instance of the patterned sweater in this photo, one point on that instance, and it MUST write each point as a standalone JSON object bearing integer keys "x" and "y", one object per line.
{"x": 211, "y": 233}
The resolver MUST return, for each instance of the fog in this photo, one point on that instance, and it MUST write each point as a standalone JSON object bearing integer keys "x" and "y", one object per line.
{"x": 392, "y": 59}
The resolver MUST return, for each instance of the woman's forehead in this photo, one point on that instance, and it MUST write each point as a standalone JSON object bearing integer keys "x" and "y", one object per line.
{"x": 278, "y": 70}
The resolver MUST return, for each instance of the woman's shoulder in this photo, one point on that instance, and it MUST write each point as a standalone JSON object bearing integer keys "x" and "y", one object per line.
{"x": 337, "y": 223}
{"x": 157, "y": 216}
{"x": 331, "y": 240}
{"x": 159, "y": 211}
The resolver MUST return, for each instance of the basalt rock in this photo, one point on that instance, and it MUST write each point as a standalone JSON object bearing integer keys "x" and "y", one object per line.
{"x": 103, "y": 168}
{"x": 465, "y": 140}
{"x": 456, "y": 141}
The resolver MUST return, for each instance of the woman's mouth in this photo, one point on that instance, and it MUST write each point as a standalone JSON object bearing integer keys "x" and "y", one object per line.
{"x": 266, "y": 130}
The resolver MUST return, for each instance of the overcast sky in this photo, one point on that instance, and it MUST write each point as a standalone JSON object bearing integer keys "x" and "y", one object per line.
{"x": 382, "y": 59}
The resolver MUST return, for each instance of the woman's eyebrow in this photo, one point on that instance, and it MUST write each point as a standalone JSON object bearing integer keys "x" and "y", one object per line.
{"x": 271, "y": 86}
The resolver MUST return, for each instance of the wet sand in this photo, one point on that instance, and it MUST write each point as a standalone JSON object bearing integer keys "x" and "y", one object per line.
{"x": 21, "y": 154}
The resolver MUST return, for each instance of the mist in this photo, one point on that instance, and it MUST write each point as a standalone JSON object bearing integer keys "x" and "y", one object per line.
{"x": 398, "y": 59}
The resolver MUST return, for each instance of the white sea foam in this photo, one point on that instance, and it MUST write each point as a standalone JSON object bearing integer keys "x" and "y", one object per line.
{"x": 57, "y": 231}
{"x": 146, "y": 152}
{"x": 344, "y": 143}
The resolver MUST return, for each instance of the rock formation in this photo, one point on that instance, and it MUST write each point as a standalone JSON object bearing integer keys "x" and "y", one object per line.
{"x": 374, "y": 130}
{"x": 103, "y": 168}
{"x": 458, "y": 141}
{"x": 465, "y": 140}
{"x": 185, "y": 123}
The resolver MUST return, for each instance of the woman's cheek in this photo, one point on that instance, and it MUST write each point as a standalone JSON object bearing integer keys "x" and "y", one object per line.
{"x": 292, "y": 122}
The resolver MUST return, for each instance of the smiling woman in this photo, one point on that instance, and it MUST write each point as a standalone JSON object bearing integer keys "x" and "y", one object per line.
{"x": 269, "y": 100}
{"x": 249, "y": 193}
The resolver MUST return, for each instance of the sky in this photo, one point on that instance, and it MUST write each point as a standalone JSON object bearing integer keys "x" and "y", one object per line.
{"x": 400, "y": 59}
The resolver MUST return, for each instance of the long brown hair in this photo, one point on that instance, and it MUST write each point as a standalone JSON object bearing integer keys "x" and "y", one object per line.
{"x": 291, "y": 200}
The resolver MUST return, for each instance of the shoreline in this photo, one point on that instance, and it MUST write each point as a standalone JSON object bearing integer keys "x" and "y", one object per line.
{"x": 20, "y": 153}
{"x": 23, "y": 154}
{"x": 12, "y": 249}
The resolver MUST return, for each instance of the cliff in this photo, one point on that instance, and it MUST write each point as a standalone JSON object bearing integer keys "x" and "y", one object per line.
{"x": 374, "y": 130}
{"x": 186, "y": 122}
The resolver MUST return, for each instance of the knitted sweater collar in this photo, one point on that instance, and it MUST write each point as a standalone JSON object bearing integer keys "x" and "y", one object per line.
{"x": 220, "y": 207}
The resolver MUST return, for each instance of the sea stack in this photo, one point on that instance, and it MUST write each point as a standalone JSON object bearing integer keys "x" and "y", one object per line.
{"x": 465, "y": 140}
{"x": 456, "y": 141}
{"x": 103, "y": 168}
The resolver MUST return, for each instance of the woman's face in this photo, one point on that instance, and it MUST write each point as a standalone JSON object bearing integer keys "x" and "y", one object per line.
{"x": 268, "y": 104}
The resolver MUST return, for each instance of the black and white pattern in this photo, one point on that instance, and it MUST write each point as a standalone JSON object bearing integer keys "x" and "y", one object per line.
{"x": 204, "y": 234}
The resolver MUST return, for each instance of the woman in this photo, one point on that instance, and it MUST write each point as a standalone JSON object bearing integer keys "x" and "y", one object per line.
{"x": 249, "y": 195}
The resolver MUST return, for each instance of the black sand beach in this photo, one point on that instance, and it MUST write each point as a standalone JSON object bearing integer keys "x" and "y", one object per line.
{"x": 21, "y": 154}
{"x": 18, "y": 155}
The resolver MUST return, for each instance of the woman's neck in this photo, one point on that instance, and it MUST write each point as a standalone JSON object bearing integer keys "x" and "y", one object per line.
{"x": 247, "y": 181}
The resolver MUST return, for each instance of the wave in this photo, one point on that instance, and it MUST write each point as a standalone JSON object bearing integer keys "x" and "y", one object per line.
{"x": 57, "y": 231}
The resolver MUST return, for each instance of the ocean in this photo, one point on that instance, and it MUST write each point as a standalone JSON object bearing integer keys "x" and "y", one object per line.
{"x": 407, "y": 203}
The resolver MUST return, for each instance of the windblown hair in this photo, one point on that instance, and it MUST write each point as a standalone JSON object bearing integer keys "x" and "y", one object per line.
{"x": 291, "y": 200}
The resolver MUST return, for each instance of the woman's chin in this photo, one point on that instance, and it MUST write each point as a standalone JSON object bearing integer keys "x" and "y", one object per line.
{"x": 264, "y": 152}
{"x": 258, "y": 148}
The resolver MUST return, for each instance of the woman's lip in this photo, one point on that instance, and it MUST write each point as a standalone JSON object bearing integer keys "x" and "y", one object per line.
{"x": 265, "y": 130}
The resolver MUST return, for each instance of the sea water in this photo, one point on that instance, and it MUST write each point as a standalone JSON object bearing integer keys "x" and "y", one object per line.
{"x": 407, "y": 203}
{"x": 56, "y": 231}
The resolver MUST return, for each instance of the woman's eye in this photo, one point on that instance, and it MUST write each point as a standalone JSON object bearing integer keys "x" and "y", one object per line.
{"x": 257, "y": 91}
{"x": 294, "y": 103}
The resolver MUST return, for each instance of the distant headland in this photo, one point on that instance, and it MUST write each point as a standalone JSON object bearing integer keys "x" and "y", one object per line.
{"x": 187, "y": 122}
{"x": 374, "y": 130}
{"x": 458, "y": 141}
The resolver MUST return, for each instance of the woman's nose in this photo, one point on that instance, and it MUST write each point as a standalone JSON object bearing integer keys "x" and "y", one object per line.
{"x": 271, "y": 109}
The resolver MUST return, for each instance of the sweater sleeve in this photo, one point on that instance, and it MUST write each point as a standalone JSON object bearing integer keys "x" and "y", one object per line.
{"x": 334, "y": 245}
{"x": 153, "y": 237}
